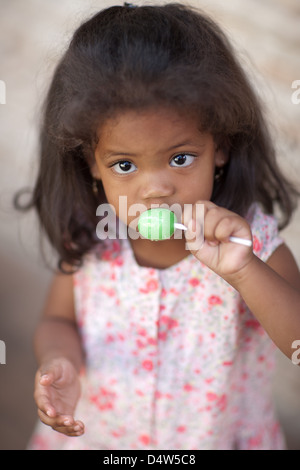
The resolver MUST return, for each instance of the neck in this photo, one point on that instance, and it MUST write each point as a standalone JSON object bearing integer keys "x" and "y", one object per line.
{"x": 160, "y": 254}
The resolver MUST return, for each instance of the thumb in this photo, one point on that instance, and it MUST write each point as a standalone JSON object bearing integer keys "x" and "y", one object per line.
{"x": 50, "y": 373}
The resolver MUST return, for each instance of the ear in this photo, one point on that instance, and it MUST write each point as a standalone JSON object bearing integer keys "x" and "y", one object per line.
{"x": 93, "y": 167}
{"x": 221, "y": 156}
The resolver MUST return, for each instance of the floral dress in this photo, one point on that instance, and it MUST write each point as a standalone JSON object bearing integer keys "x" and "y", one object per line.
{"x": 174, "y": 358}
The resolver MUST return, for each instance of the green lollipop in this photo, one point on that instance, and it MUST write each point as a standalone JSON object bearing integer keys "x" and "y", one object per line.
{"x": 158, "y": 224}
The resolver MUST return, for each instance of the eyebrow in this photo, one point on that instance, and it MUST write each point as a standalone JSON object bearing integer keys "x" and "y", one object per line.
{"x": 116, "y": 153}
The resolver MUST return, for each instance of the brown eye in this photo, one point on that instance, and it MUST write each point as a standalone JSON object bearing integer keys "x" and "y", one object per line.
{"x": 182, "y": 160}
{"x": 124, "y": 167}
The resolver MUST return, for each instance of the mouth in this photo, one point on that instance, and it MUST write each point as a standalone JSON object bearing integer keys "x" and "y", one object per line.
{"x": 157, "y": 224}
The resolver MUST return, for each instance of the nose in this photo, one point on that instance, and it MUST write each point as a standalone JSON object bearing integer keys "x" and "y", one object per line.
{"x": 156, "y": 186}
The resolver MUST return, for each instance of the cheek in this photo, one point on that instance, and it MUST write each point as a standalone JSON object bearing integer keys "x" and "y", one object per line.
{"x": 200, "y": 188}
{"x": 119, "y": 199}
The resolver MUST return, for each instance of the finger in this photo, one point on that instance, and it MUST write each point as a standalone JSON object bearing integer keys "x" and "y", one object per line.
{"x": 57, "y": 421}
{"x": 47, "y": 379}
{"x": 42, "y": 397}
{"x": 50, "y": 373}
{"x": 194, "y": 236}
{"x": 70, "y": 433}
{"x": 225, "y": 227}
{"x": 218, "y": 223}
{"x": 77, "y": 429}
{"x": 45, "y": 406}
{"x": 63, "y": 424}
{"x": 229, "y": 226}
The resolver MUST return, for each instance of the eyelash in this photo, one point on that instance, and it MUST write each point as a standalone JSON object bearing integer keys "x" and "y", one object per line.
{"x": 183, "y": 154}
{"x": 114, "y": 165}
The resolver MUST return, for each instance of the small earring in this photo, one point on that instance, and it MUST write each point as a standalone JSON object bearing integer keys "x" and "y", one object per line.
{"x": 219, "y": 173}
{"x": 95, "y": 187}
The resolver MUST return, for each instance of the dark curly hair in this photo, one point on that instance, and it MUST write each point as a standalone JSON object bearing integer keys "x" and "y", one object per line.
{"x": 136, "y": 58}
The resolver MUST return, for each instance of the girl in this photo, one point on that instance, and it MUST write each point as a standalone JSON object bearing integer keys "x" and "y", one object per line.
{"x": 145, "y": 345}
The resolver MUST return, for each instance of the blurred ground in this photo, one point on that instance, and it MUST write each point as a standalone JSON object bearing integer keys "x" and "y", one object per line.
{"x": 32, "y": 36}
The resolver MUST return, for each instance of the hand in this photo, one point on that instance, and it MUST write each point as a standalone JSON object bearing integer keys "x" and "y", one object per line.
{"x": 57, "y": 390}
{"x": 217, "y": 252}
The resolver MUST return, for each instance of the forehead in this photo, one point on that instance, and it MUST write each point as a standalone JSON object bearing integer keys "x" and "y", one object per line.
{"x": 154, "y": 124}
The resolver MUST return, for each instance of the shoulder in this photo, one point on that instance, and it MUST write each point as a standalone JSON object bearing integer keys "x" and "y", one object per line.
{"x": 101, "y": 259}
{"x": 265, "y": 233}
{"x": 269, "y": 246}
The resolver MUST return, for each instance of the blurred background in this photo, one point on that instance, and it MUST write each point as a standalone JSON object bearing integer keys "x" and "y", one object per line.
{"x": 33, "y": 35}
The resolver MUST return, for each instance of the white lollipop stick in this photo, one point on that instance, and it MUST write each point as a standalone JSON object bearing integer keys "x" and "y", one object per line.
{"x": 180, "y": 226}
{"x": 241, "y": 241}
{"x": 238, "y": 240}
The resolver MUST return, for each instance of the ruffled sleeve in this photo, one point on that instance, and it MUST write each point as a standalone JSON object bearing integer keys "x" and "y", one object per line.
{"x": 264, "y": 232}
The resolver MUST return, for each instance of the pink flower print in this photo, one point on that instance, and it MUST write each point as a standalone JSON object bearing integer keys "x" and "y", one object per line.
{"x": 163, "y": 292}
{"x": 103, "y": 399}
{"x": 108, "y": 291}
{"x": 215, "y": 300}
{"x": 118, "y": 261}
{"x": 210, "y": 396}
{"x": 220, "y": 401}
{"x": 40, "y": 442}
{"x": 165, "y": 324}
{"x": 118, "y": 432}
{"x": 257, "y": 244}
{"x": 209, "y": 380}
{"x": 174, "y": 291}
{"x": 151, "y": 286}
{"x": 162, "y": 335}
{"x": 242, "y": 308}
{"x": 109, "y": 338}
{"x": 188, "y": 387}
{"x": 147, "y": 364}
{"x": 194, "y": 282}
{"x": 253, "y": 323}
{"x": 168, "y": 321}
{"x": 140, "y": 344}
{"x": 181, "y": 429}
{"x": 152, "y": 341}
{"x": 142, "y": 332}
{"x": 227, "y": 363}
{"x": 111, "y": 253}
{"x": 144, "y": 439}
{"x": 255, "y": 441}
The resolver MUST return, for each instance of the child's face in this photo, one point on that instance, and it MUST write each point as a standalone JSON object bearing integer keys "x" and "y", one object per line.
{"x": 155, "y": 157}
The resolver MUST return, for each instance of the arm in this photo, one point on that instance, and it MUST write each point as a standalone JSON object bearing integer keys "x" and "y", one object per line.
{"x": 271, "y": 290}
{"x": 57, "y": 333}
{"x": 60, "y": 357}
